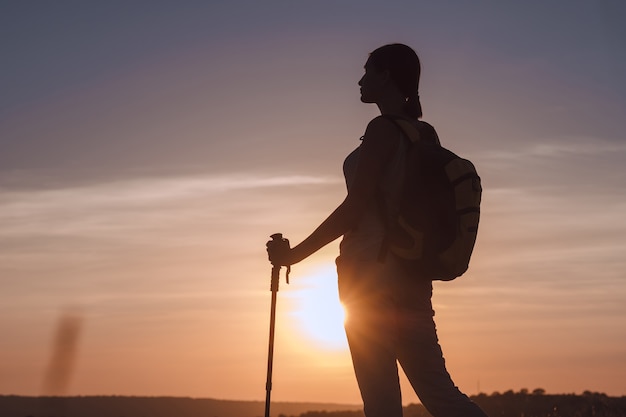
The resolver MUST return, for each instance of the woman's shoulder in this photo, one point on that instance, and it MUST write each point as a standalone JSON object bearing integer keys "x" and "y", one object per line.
{"x": 384, "y": 122}
{"x": 379, "y": 128}
{"x": 387, "y": 123}
{"x": 381, "y": 139}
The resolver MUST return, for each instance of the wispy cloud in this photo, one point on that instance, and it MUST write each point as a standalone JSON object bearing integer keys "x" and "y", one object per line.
{"x": 563, "y": 148}
{"x": 568, "y": 167}
{"x": 109, "y": 205}
{"x": 186, "y": 234}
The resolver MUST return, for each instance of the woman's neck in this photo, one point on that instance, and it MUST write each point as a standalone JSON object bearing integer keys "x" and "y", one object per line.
{"x": 392, "y": 105}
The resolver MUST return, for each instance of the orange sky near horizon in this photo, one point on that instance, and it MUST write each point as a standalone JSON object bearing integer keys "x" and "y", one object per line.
{"x": 146, "y": 155}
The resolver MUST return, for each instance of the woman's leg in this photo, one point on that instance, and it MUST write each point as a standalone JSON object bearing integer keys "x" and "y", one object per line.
{"x": 371, "y": 337}
{"x": 421, "y": 358}
{"x": 375, "y": 365}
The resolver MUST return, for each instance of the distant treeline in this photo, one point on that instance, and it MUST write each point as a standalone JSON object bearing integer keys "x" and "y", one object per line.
{"x": 535, "y": 403}
{"x": 131, "y": 406}
{"x": 522, "y": 404}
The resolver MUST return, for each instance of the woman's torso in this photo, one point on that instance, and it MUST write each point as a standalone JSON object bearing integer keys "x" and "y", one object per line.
{"x": 363, "y": 242}
{"x": 360, "y": 247}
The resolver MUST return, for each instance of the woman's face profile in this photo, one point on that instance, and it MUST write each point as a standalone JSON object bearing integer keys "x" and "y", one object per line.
{"x": 372, "y": 84}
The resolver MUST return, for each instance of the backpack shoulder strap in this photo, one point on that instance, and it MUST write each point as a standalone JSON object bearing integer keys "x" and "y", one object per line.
{"x": 409, "y": 130}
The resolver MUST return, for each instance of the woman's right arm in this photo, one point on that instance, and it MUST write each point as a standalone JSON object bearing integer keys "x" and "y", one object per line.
{"x": 380, "y": 142}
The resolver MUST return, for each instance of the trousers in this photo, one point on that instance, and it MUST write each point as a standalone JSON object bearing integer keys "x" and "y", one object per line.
{"x": 389, "y": 321}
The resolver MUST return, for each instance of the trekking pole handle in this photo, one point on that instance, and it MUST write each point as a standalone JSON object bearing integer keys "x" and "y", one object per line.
{"x": 277, "y": 239}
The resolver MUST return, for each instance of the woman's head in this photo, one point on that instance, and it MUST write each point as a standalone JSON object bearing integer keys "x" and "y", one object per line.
{"x": 403, "y": 66}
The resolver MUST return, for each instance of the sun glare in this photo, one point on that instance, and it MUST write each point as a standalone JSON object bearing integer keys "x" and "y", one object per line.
{"x": 317, "y": 312}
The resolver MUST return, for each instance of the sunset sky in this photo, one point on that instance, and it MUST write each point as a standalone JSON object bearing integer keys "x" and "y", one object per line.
{"x": 149, "y": 148}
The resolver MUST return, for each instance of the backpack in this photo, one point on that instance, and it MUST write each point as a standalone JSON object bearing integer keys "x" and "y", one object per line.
{"x": 433, "y": 228}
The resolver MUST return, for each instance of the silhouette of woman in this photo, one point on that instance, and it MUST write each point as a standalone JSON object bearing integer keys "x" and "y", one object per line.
{"x": 389, "y": 311}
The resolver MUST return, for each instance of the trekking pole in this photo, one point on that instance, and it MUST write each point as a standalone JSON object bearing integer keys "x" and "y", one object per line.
{"x": 277, "y": 238}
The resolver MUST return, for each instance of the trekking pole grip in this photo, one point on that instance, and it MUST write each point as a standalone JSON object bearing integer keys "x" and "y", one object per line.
{"x": 277, "y": 239}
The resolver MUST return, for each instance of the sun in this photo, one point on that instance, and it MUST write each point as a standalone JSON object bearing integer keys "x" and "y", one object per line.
{"x": 318, "y": 315}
